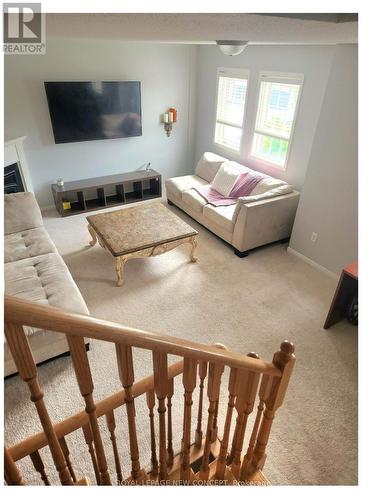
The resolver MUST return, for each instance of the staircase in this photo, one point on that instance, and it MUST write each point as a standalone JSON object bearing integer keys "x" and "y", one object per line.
{"x": 208, "y": 456}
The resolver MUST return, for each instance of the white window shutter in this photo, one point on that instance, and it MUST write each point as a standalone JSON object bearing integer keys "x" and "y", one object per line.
{"x": 275, "y": 119}
{"x": 231, "y": 97}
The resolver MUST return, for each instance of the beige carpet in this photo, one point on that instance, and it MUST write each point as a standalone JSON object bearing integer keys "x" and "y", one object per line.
{"x": 248, "y": 304}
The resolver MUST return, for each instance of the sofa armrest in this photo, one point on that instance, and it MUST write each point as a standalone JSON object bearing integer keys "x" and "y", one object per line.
{"x": 265, "y": 221}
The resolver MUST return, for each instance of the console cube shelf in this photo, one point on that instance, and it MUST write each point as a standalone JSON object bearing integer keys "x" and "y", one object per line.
{"x": 100, "y": 192}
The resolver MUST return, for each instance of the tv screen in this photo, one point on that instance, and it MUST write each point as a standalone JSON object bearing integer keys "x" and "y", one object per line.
{"x": 87, "y": 111}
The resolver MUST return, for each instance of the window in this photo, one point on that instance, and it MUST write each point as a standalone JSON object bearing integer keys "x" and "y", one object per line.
{"x": 231, "y": 96}
{"x": 276, "y": 112}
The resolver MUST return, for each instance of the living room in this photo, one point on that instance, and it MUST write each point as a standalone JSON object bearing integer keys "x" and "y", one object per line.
{"x": 213, "y": 217}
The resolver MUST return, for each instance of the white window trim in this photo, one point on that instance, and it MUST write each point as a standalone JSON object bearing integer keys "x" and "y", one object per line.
{"x": 236, "y": 73}
{"x": 273, "y": 76}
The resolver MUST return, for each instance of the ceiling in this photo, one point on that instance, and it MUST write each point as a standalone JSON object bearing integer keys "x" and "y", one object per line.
{"x": 206, "y": 28}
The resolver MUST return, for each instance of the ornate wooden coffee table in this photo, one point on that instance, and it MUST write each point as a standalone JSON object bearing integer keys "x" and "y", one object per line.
{"x": 144, "y": 231}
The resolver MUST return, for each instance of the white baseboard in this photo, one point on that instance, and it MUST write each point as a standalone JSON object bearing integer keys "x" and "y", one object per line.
{"x": 313, "y": 263}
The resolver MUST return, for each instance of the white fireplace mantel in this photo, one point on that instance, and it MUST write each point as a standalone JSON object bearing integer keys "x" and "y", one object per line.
{"x": 14, "y": 153}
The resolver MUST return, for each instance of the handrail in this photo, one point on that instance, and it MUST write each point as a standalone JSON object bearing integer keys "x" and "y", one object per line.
{"x": 24, "y": 312}
{"x": 78, "y": 420}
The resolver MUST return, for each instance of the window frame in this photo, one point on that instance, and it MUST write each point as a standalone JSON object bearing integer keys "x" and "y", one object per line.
{"x": 277, "y": 77}
{"x": 235, "y": 73}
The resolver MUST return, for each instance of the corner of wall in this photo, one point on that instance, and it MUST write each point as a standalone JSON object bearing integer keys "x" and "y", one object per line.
{"x": 192, "y": 110}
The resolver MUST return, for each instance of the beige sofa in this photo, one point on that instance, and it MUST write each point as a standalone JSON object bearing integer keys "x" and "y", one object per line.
{"x": 267, "y": 215}
{"x": 34, "y": 270}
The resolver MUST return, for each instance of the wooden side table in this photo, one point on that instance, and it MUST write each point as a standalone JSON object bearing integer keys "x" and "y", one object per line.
{"x": 345, "y": 291}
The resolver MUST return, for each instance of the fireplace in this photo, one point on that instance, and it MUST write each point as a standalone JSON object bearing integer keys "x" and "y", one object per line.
{"x": 16, "y": 172}
{"x": 13, "y": 182}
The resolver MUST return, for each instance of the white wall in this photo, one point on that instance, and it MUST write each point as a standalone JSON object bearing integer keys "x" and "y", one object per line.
{"x": 167, "y": 73}
{"x": 313, "y": 61}
{"x": 329, "y": 201}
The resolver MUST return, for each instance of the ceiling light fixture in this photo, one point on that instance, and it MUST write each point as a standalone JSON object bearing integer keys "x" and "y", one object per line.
{"x": 231, "y": 47}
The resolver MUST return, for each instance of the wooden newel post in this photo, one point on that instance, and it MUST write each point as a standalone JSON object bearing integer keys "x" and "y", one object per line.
{"x": 25, "y": 363}
{"x": 86, "y": 387}
{"x": 189, "y": 380}
{"x": 285, "y": 361}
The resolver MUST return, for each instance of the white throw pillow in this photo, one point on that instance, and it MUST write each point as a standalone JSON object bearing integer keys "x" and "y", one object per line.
{"x": 225, "y": 179}
{"x": 208, "y": 166}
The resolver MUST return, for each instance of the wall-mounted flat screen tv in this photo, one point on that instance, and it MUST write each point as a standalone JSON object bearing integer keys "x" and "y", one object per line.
{"x": 88, "y": 111}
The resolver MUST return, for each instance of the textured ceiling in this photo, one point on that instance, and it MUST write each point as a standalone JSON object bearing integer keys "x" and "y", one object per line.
{"x": 201, "y": 28}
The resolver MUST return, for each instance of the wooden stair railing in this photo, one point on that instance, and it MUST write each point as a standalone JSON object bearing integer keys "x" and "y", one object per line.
{"x": 205, "y": 456}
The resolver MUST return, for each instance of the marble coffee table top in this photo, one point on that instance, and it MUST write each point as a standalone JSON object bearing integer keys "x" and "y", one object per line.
{"x": 132, "y": 229}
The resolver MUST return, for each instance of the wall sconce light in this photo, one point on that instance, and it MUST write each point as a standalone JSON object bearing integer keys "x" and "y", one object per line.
{"x": 168, "y": 119}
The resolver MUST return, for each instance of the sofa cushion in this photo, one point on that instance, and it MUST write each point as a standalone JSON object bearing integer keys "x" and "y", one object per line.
{"x": 28, "y": 243}
{"x": 208, "y": 165}
{"x": 176, "y": 185}
{"x": 44, "y": 279}
{"x": 267, "y": 184}
{"x": 194, "y": 200}
{"x": 225, "y": 179}
{"x": 224, "y": 217}
{"x": 21, "y": 212}
{"x": 272, "y": 193}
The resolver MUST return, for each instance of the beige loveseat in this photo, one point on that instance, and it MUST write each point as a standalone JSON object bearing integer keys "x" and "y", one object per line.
{"x": 265, "y": 216}
{"x": 34, "y": 270}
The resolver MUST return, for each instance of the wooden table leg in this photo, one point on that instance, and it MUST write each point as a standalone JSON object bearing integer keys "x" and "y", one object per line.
{"x": 93, "y": 235}
{"x": 193, "y": 242}
{"x": 119, "y": 265}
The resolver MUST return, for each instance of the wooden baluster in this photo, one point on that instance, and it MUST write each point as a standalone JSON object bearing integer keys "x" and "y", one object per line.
{"x": 111, "y": 426}
{"x": 246, "y": 394}
{"x": 285, "y": 361}
{"x": 89, "y": 441}
{"x": 126, "y": 374}
{"x": 39, "y": 466}
{"x": 264, "y": 392}
{"x": 170, "y": 423}
{"x": 202, "y": 371}
{"x": 24, "y": 361}
{"x": 189, "y": 380}
{"x": 222, "y": 458}
{"x": 234, "y": 441}
{"x": 214, "y": 432}
{"x": 213, "y": 391}
{"x": 86, "y": 387}
{"x": 12, "y": 474}
{"x": 150, "y": 399}
{"x": 66, "y": 453}
{"x": 160, "y": 368}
